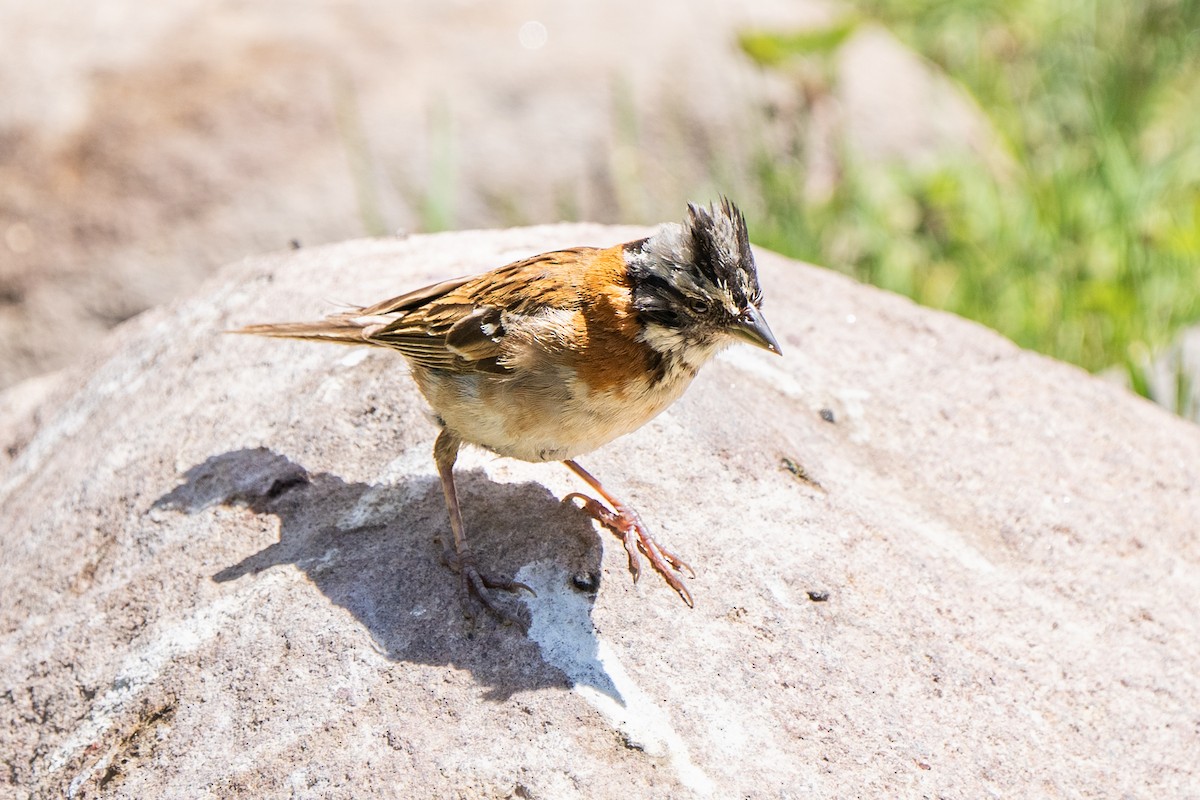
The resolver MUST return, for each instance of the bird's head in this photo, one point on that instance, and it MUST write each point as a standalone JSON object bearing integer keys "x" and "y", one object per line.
{"x": 695, "y": 285}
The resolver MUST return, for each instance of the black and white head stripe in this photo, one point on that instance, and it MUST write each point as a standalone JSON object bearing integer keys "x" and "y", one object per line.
{"x": 707, "y": 259}
{"x": 720, "y": 248}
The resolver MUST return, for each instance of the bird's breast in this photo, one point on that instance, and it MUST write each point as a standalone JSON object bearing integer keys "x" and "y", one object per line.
{"x": 553, "y": 411}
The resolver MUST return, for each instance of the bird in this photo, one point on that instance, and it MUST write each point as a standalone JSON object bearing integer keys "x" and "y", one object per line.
{"x": 551, "y": 357}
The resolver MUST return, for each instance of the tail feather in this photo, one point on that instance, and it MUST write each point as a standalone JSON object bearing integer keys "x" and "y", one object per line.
{"x": 340, "y": 331}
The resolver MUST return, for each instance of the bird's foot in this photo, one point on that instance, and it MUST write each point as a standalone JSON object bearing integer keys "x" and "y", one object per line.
{"x": 627, "y": 524}
{"x": 480, "y": 585}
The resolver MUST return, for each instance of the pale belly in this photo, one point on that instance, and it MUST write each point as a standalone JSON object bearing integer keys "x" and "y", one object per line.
{"x": 548, "y": 418}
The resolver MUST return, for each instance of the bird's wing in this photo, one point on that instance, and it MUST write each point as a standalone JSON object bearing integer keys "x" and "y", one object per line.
{"x": 457, "y": 325}
{"x": 460, "y": 325}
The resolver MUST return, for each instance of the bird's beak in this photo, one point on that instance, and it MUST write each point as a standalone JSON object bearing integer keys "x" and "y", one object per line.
{"x": 752, "y": 328}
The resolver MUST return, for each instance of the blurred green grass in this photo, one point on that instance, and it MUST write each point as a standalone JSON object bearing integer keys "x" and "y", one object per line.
{"x": 1082, "y": 238}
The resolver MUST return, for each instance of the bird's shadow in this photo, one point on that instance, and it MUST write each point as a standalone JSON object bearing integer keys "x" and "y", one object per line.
{"x": 372, "y": 550}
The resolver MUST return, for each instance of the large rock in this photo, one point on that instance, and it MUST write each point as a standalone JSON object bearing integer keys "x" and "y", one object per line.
{"x": 928, "y": 564}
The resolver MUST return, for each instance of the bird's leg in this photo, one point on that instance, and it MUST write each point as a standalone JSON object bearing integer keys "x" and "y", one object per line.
{"x": 462, "y": 560}
{"x": 626, "y": 523}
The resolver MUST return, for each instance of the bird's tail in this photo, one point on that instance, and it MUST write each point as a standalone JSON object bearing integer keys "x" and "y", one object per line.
{"x": 340, "y": 329}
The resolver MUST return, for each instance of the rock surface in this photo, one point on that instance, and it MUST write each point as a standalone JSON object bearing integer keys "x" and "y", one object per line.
{"x": 929, "y": 564}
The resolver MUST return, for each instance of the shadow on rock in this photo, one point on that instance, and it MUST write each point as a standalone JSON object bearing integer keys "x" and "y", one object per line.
{"x": 372, "y": 550}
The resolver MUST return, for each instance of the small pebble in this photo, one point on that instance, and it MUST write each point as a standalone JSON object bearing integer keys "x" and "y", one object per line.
{"x": 586, "y": 581}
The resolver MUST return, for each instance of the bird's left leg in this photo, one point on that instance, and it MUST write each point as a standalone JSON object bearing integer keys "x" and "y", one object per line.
{"x": 462, "y": 560}
{"x": 626, "y": 523}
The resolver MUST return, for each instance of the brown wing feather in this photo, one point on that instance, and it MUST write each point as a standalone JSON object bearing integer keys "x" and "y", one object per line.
{"x": 466, "y": 321}
{"x": 505, "y": 288}
{"x": 455, "y": 324}
{"x": 415, "y": 298}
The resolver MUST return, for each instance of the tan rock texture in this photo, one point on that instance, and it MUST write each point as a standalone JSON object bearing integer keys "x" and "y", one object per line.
{"x": 929, "y": 564}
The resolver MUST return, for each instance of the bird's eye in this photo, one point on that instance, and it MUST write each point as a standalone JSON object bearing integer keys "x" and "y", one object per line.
{"x": 698, "y": 307}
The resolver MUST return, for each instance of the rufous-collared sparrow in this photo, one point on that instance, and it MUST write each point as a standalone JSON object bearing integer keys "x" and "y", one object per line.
{"x": 550, "y": 357}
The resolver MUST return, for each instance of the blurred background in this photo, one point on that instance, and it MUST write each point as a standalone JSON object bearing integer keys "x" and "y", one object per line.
{"x": 1034, "y": 166}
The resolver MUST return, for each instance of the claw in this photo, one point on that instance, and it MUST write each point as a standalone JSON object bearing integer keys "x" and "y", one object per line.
{"x": 480, "y": 585}
{"x": 626, "y": 523}
{"x": 609, "y": 519}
